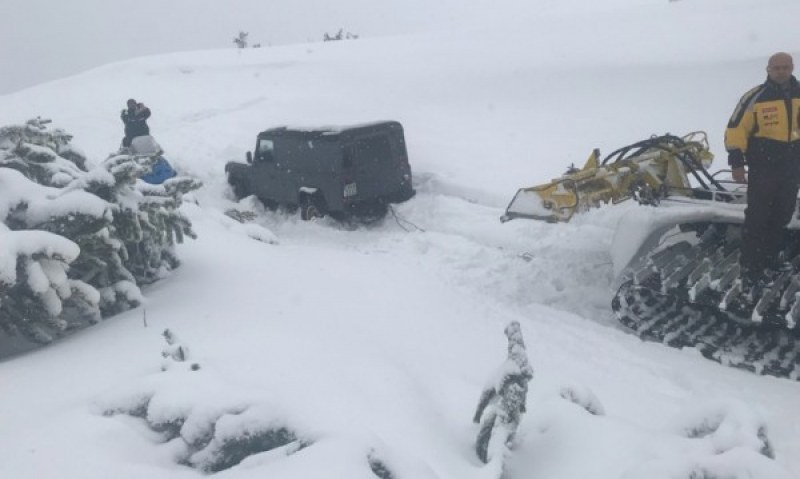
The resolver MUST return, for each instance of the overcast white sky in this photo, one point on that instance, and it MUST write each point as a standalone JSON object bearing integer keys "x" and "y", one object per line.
{"x": 42, "y": 40}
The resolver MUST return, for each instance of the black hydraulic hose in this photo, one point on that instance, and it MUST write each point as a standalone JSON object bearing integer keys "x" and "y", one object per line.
{"x": 697, "y": 168}
{"x": 682, "y": 158}
{"x": 642, "y": 146}
{"x": 661, "y": 143}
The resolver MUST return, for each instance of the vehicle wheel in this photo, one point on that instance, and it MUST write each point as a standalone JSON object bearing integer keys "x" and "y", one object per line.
{"x": 310, "y": 208}
{"x": 271, "y": 205}
{"x": 375, "y": 212}
{"x": 239, "y": 190}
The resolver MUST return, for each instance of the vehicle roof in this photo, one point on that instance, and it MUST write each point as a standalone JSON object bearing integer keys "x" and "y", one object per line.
{"x": 332, "y": 131}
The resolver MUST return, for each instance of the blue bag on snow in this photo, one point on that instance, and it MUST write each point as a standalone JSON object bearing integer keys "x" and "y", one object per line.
{"x": 161, "y": 172}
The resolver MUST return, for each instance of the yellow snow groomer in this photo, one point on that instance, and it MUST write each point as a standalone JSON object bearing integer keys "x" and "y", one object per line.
{"x": 677, "y": 265}
{"x": 647, "y": 170}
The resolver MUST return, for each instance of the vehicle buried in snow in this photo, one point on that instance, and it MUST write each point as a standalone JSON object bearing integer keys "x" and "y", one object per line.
{"x": 677, "y": 262}
{"x": 355, "y": 170}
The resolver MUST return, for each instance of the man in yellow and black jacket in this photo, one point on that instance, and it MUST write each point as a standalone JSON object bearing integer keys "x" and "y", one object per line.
{"x": 764, "y": 135}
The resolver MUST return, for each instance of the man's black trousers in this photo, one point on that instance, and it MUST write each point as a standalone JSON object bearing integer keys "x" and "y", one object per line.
{"x": 772, "y": 187}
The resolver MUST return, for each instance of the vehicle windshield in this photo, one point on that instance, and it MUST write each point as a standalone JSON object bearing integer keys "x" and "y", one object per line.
{"x": 265, "y": 149}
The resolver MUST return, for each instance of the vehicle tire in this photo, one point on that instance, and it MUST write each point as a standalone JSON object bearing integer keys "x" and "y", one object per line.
{"x": 374, "y": 211}
{"x": 269, "y": 204}
{"x": 239, "y": 190}
{"x": 311, "y": 207}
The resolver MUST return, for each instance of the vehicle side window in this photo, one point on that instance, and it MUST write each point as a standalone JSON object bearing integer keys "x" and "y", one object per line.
{"x": 293, "y": 153}
{"x": 375, "y": 149}
{"x": 265, "y": 151}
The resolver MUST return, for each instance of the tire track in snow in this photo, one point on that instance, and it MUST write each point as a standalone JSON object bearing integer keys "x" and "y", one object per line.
{"x": 207, "y": 114}
{"x": 520, "y": 264}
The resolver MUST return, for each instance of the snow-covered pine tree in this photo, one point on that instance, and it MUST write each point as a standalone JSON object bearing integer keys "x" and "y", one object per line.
{"x": 124, "y": 230}
{"x": 42, "y": 154}
{"x": 35, "y": 290}
{"x": 146, "y": 218}
{"x": 502, "y": 402}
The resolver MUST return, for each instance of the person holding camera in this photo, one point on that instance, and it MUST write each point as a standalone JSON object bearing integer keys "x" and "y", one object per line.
{"x": 135, "y": 119}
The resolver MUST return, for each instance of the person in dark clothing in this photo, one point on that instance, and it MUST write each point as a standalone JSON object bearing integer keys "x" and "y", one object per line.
{"x": 135, "y": 119}
{"x": 764, "y": 135}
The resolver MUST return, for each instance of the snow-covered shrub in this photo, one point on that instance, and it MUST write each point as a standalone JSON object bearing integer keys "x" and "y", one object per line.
{"x": 379, "y": 467}
{"x": 203, "y": 422}
{"x": 78, "y": 242}
{"x": 175, "y": 352}
{"x": 583, "y": 397}
{"x": 241, "y": 219}
{"x": 502, "y": 402}
{"x": 726, "y": 425}
{"x": 725, "y": 439}
{"x": 340, "y": 35}
{"x": 241, "y": 39}
{"x": 238, "y": 436}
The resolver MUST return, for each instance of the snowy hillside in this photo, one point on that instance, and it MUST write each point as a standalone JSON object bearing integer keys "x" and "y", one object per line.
{"x": 371, "y": 345}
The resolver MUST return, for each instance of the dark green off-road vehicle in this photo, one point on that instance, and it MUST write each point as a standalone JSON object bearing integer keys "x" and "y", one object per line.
{"x": 355, "y": 170}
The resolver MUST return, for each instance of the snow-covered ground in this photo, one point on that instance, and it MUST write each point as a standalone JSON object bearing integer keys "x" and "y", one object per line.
{"x": 376, "y": 342}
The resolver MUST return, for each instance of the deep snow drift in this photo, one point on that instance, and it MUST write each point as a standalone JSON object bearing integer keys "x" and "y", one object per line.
{"x": 372, "y": 344}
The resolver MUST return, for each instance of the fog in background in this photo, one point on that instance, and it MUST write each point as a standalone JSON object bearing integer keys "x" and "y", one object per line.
{"x": 42, "y": 40}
